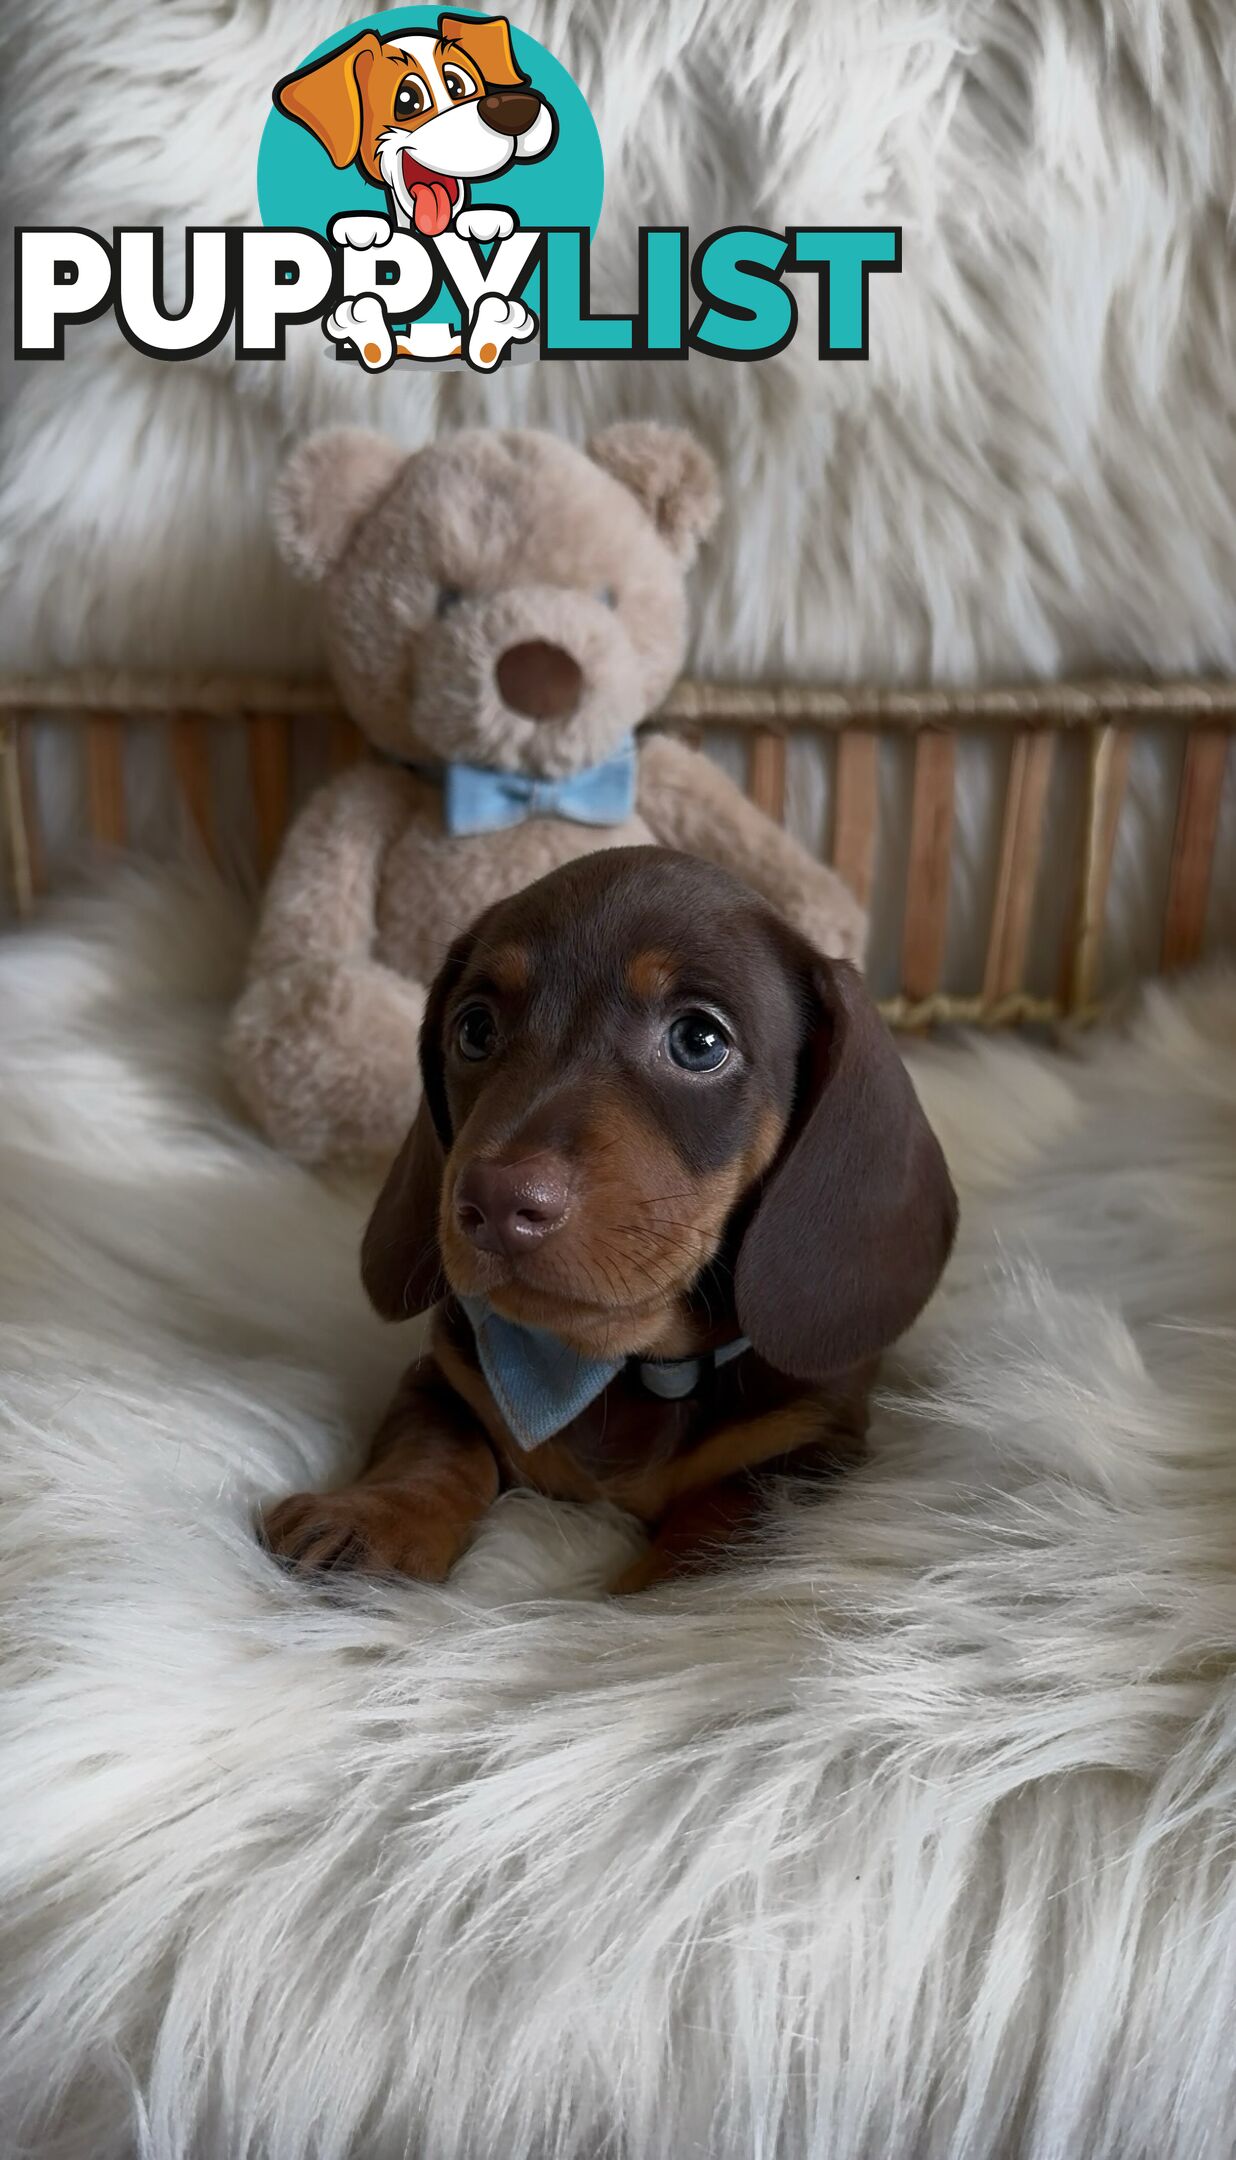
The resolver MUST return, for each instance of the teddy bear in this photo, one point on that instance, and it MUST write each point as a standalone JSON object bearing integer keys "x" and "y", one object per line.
{"x": 500, "y": 611}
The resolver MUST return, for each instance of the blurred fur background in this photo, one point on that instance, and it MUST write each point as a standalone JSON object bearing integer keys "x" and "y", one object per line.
{"x": 1033, "y": 474}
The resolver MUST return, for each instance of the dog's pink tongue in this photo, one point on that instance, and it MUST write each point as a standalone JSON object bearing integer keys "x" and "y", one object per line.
{"x": 431, "y": 207}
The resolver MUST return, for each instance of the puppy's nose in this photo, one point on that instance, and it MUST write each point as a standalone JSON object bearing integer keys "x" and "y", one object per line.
{"x": 511, "y": 112}
{"x": 509, "y": 1207}
{"x": 540, "y": 680}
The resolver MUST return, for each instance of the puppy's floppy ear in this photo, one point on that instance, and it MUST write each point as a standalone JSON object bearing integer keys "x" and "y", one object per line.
{"x": 325, "y": 489}
{"x": 401, "y": 1260}
{"x": 857, "y": 1219}
{"x": 669, "y": 473}
{"x": 327, "y": 97}
{"x": 488, "y": 43}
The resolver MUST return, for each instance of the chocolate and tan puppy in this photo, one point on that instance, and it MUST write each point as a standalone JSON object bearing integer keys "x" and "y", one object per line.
{"x": 673, "y": 1190}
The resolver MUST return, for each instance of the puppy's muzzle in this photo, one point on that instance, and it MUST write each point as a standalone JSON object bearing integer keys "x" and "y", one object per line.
{"x": 510, "y": 112}
{"x": 539, "y": 680}
{"x": 507, "y": 1208}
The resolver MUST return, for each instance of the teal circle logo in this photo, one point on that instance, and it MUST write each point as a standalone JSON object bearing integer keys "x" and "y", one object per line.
{"x": 342, "y": 138}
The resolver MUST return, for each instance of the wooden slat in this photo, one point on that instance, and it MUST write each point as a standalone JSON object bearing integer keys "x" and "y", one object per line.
{"x": 105, "y": 778}
{"x": 1186, "y": 701}
{"x": 930, "y": 865}
{"x": 36, "y": 852}
{"x": 856, "y": 811}
{"x": 270, "y": 774}
{"x": 766, "y": 772}
{"x": 191, "y": 736}
{"x": 1107, "y": 778}
{"x": 22, "y": 852}
{"x": 1193, "y": 845}
{"x": 1021, "y": 840}
{"x": 346, "y": 743}
{"x": 946, "y": 1009}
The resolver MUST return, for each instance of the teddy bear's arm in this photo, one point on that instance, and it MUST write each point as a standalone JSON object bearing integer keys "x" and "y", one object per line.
{"x": 322, "y": 1042}
{"x": 322, "y": 892}
{"x": 688, "y": 802}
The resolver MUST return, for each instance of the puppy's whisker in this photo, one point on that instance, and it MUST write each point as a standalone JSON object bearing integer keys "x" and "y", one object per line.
{"x": 609, "y": 1280}
{"x": 660, "y": 1230}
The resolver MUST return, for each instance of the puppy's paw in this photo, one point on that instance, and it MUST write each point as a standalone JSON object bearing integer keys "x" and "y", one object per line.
{"x": 650, "y": 1567}
{"x": 362, "y": 1529}
{"x": 485, "y": 222}
{"x": 362, "y": 322}
{"x": 358, "y": 229}
{"x": 497, "y": 324}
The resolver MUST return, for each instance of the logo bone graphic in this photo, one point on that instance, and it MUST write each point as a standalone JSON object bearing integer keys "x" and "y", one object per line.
{"x": 421, "y": 116}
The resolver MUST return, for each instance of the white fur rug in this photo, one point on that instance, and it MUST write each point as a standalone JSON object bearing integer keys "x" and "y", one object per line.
{"x": 911, "y": 1842}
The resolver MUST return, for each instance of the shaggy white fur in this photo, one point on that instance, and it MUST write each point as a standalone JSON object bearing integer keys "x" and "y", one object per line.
{"x": 1035, "y": 472}
{"x": 911, "y": 1840}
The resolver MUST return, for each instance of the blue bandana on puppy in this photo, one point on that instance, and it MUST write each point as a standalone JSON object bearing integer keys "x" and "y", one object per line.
{"x": 538, "y": 1382}
{"x": 541, "y": 1384}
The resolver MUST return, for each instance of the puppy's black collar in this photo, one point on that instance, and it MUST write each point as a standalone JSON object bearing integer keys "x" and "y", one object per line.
{"x": 540, "y": 1385}
{"x": 672, "y": 1379}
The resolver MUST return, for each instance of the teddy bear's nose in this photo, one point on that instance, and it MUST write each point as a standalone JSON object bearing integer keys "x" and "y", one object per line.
{"x": 539, "y": 679}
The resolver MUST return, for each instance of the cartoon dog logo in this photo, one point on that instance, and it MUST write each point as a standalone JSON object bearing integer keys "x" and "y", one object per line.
{"x": 422, "y": 116}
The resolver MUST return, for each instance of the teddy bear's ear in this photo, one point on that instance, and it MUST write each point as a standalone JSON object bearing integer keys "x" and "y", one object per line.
{"x": 668, "y": 472}
{"x": 324, "y": 491}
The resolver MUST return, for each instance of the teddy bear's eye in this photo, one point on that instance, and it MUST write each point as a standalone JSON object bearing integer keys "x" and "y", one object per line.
{"x": 449, "y": 596}
{"x": 608, "y": 596}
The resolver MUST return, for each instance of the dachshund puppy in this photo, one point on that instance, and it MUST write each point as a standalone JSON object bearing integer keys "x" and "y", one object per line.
{"x": 674, "y": 1190}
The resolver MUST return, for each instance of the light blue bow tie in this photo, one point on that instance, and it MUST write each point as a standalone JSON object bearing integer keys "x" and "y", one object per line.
{"x": 480, "y": 799}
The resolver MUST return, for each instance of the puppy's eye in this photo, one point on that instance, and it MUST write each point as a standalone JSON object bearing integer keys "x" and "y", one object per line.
{"x": 698, "y": 1042}
{"x": 411, "y": 98}
{"x": 457, "y": 83}
{"x": 607, "y": 596}
{"x": 449, "y": 597}
{"x": 476, "y": 1033}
